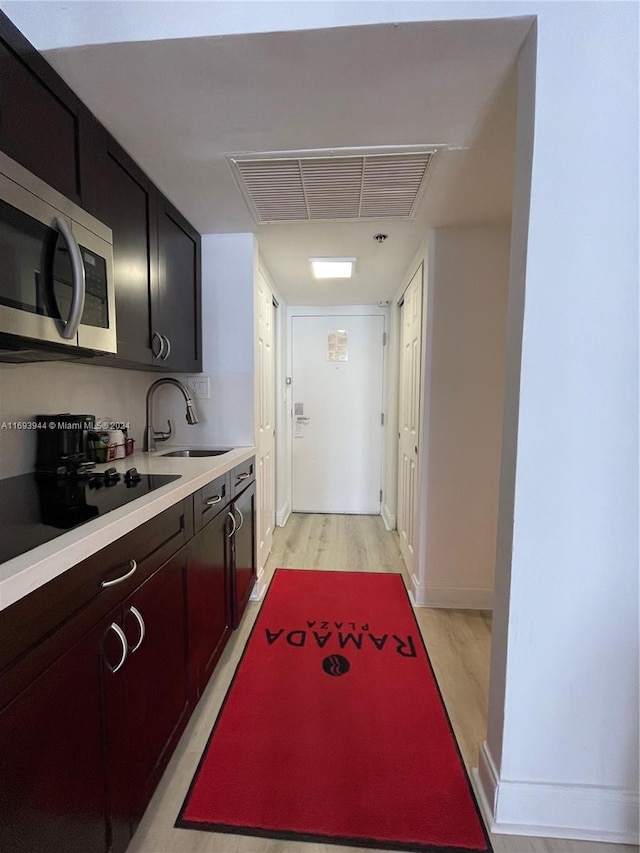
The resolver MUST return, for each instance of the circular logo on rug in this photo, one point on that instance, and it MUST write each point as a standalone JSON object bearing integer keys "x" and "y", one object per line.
{"x": 336, "y": 665}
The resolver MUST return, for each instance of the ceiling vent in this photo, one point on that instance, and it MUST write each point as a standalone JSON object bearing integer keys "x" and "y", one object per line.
{"x": 312, "y": 186}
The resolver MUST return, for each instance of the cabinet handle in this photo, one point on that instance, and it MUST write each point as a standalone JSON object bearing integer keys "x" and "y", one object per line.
{"x": 168, "y": 343}
{"x": 241, "y": 518}
{"x": 214, "y": 500}
{"x": 233, "y": 518}
{"x": 132, "y": 567}
{"x": 243, "y": 476}
{"x": 120, "y": 634}
{"x": 138, "y": 616}
{"x": 161, "y": 350}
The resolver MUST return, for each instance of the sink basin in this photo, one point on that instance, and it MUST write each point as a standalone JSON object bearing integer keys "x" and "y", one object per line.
{"x": 197, "y": 452}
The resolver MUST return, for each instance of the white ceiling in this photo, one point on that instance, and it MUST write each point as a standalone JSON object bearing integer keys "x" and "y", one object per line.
{"x": 180, "y": 105}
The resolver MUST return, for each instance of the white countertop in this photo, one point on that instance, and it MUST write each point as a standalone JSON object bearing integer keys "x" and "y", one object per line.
{"x": 29, "y": 571}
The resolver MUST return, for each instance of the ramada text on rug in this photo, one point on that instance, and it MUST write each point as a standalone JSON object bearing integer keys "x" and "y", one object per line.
{"x": 297, "y": 638}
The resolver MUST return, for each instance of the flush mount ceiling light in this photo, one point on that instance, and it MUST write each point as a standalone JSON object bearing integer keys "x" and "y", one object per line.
{"x": 332, "y": 267}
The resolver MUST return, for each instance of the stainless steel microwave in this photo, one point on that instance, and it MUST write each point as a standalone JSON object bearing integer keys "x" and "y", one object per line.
{"x": 56, "y": 269}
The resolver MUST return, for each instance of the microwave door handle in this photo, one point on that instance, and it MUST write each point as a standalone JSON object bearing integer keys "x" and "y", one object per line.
{"x": 77, "y": 271}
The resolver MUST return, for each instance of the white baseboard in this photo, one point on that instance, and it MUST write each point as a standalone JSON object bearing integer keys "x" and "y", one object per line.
{"x": 388, "y": 517}
{"x": 259, "y": 587}
{"x": 282, "y": 516}
{"x": 460, "y": 598}
{"x": 417, "y": 590}
{"x": 552, "y": 810}
{"x": 484, "y": 780}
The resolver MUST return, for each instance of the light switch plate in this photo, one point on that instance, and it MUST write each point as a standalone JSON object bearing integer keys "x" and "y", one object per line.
{"x": 199, "y": 387}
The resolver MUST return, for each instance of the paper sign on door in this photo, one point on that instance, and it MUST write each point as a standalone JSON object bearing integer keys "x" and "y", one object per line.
{"x": 338, "y": 345}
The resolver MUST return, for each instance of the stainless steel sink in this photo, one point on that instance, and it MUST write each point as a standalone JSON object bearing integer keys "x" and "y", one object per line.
{"x": 198, "y": 451}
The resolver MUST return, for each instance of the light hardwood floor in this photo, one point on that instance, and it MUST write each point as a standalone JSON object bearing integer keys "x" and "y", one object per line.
{"x": 458, "y": 643}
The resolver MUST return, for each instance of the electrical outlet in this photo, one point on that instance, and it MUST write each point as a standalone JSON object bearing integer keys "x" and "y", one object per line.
{"x": 199, "y": 387}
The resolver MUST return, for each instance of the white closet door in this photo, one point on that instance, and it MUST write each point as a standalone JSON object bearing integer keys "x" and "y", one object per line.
{"x": 409, "y": 419}
{"x": 265, "y": 456}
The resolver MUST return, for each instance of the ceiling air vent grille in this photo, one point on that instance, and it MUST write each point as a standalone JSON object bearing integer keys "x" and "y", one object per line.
{"x": 311, "y": 188}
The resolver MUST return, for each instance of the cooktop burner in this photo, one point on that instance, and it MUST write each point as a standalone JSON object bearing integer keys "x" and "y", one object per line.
{"x": 36, "y": 509}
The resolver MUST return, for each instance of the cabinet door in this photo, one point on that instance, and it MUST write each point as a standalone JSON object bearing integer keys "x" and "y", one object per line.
{"x": 114, "y": 652}
{"x": 176, "y": 310}
{"x": 39, "y": 120}
{"x": 126, "y": 203}
{"x": 52, "y": 788}
{"x": 244, "y": 552}
{"x": 207, "y": 585}
{"x": 155, "y": 623}
{"x": 146, "y": 701}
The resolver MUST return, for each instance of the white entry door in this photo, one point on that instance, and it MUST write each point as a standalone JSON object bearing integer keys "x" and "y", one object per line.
{"x": 409, "y": 418}
{"x": 337, "y": 364}
{"x": 265, "y": 406}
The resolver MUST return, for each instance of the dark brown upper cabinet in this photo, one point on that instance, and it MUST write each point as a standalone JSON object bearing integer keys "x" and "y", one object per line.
{"x": 176, "y": 307}
{"x": 126, "y": 202}
{"x": 157, "y": 253}
{"x": 156, "y": 257}
{"x": 40, "y": 117}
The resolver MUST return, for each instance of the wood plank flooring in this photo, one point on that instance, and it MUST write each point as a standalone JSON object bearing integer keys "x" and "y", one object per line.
{"x": 459, "y": 646}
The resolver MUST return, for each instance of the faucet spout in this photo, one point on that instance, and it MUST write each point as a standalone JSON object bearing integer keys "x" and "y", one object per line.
{"x": 150, "y": 435}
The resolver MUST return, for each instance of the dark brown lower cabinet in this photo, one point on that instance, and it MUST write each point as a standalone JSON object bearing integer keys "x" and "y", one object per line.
{"x": 209, "y": 611}
{"x": 52, "y": 785}
{"x": 243, "y": 554}
{"x": 146, "y": 692}
{"x": 84, "y": 743}
{"x": 222, "y": 567}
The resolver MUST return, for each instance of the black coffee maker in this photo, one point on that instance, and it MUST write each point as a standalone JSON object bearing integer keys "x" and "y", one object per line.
{"x": 62, "y": 443}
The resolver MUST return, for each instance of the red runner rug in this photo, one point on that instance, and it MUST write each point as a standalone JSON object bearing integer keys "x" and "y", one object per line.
{"x": 333, "y": 728}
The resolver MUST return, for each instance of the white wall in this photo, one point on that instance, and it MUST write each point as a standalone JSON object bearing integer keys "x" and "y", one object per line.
{"x": 55, "y": 387}
{"x": 562, "y": 747}
{"x": 468, "y": 274}
{"x": 226, "y": 419}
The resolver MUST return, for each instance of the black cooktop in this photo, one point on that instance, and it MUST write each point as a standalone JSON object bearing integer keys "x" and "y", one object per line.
{"x": 35, "y": 509}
